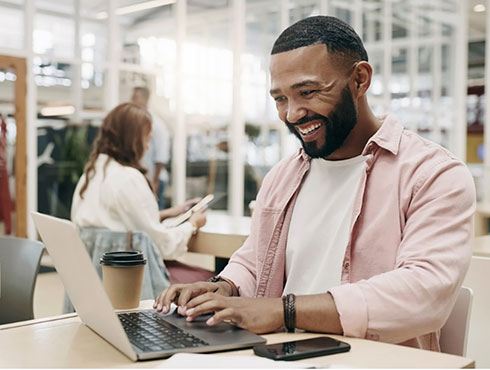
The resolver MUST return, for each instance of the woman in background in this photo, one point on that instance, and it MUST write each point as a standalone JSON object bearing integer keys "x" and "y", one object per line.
{"x": 115, "y": 194}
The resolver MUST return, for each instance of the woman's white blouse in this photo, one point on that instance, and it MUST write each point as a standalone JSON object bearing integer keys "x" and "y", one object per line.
{"x": 119, "y": 198}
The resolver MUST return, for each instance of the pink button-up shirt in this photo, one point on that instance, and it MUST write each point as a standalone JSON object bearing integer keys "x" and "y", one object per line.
{"x": 409, "y": 247}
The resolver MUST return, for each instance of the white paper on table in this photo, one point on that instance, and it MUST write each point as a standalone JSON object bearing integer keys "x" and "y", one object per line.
{"x": 205, "y": 361}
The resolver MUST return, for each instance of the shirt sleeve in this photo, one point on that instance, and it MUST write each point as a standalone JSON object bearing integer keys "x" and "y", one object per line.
{"x": 136, "y": 206}
{"x": 433, "y": 257}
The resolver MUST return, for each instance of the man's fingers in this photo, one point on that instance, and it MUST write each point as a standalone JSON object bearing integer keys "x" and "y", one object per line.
{"x": 191, "y": 292}
{"x": 159, "y": 298}
{"x": 170, "y": 296}
{"x": 204, "y": 304}
{"x": 228, "y": 314}
{"x": 200, "y": 299}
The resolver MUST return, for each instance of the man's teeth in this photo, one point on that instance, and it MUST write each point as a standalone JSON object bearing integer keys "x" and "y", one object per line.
{"x": 307, "y": 130}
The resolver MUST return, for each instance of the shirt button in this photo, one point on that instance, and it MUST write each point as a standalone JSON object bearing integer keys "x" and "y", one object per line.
{"x": 346, "y": 265}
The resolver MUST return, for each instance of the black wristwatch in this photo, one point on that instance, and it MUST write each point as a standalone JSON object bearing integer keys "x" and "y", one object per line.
{"x": 215, "y": 279}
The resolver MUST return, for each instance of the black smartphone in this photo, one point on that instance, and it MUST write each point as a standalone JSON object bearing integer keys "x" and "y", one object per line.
{"x": 301, "y": 349}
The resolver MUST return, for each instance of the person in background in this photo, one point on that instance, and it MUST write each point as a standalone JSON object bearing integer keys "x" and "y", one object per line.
{"x": 114, "y": 192}
{"x": 365, "y": 231}
{"x": 158, "y": 153}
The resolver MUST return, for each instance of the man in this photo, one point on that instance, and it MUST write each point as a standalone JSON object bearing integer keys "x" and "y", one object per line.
{"x": 368, "y": 224}
{"x": 158, "y": 151}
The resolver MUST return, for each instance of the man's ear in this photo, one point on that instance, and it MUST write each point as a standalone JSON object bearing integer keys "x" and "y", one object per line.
{"x": 362, "y": 77}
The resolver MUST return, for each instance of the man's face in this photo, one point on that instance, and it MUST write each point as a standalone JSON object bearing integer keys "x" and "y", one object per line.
{"x": 313, "y": 98}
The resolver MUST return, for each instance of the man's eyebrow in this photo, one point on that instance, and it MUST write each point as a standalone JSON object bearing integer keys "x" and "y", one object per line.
{"x": 307, "y": 83}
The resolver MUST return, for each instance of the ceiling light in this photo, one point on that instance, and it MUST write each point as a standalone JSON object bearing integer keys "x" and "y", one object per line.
{"x": 136, "y": 8}
{"x": 478, "y": 8}
{"x": 65, "y": 110}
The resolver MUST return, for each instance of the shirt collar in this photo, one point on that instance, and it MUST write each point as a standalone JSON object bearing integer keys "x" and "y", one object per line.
{"x": 387, "y": 137}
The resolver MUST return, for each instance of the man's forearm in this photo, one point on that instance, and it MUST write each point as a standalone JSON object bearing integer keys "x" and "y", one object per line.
{"x": 317, "y": 313}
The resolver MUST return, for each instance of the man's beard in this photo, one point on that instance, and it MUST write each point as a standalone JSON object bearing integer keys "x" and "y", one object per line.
{"x": 338, "y": 126}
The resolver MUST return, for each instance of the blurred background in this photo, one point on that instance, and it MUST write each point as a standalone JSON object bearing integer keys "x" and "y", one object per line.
{"x": 206, "y": 65}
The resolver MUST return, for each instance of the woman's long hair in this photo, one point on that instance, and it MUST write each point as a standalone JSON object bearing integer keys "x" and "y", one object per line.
{"x": 121, "y": 138}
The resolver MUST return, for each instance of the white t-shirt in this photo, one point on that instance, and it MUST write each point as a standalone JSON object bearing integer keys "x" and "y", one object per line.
{"x": 320, "y": 225}
{"x": 158, "y": 149}
{"x": 119, "y": 198}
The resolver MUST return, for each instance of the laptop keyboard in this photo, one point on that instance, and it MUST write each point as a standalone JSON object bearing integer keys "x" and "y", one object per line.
{"x": 149, "y": 332}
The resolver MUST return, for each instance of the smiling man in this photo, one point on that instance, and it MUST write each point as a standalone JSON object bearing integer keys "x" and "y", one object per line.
{"x": 365, "y": 231}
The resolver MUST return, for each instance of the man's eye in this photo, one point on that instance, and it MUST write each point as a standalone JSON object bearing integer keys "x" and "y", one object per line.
{"x": 279, "y": 99}
{"x": 307, "y": 92}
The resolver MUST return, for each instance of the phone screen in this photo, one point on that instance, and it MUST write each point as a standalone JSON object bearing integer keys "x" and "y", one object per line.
{"x": 302, "y": 348}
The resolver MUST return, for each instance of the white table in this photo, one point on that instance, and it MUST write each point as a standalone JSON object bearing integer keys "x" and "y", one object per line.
{"x": 481, "y": 246}
{"x": 221, "y": 236}
{"x": 64, "y": 342}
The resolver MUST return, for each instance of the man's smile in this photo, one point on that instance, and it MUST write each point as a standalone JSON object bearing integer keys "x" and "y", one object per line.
{"x": 309, "y": 129}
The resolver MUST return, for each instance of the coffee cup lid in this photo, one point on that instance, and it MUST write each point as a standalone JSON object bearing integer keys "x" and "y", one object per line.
{"x": 123, "y": 258}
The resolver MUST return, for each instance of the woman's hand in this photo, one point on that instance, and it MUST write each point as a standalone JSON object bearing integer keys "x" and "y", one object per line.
{"x": 188, "y": 204}
{"x": 178, "y": 209}
{"x": 198, "y": 218}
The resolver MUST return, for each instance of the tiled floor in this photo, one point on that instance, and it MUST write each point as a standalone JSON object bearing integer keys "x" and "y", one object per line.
{"x": 49, "y": 291}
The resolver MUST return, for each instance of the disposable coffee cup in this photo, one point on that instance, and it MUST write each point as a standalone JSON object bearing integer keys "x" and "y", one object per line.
{"x": 122, "y": 273}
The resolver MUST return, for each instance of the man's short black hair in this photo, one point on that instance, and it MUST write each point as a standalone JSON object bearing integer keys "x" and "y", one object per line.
{"x": 338, "y": 36}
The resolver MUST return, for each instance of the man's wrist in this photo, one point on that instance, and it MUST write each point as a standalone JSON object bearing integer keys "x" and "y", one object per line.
{"x": 289, "y": 308}
{"x": 231, "y": 289}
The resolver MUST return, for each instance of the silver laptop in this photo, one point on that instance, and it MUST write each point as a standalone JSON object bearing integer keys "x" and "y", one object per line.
{"x": 139, "y": 334}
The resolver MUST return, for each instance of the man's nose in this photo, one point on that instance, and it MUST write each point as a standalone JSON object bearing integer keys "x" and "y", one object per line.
{"x": 295, "y": 112}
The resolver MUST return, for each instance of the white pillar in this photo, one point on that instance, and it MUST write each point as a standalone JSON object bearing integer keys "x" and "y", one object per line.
{"x": 458, "y": 136}
{"x": 283, "y": 131}
{"x": 284, "y": 14}
{"x": 112, "y": 84}
{"x": 180, "y": 134}
{"x": 387, "y": 55}
{"x": 358, "y": 10}
{"x": 236, "y": 166}
{"x": 31, "y": 118}
{"x": 370, "y": 31}
{"x": 76, "y": 87}
{"x": 323, "y": 7}
{"x": 413, "y": 63}
{"x": 436, "y": 80}
{"x": 486, "y": 129}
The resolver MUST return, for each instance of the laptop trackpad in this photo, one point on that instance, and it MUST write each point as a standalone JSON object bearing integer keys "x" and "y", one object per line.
{"x": 221, "y": 333}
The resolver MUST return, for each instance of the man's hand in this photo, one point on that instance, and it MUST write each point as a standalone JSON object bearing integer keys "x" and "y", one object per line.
{"x": 258, "y": 315}
{"x": 181, "y": 294}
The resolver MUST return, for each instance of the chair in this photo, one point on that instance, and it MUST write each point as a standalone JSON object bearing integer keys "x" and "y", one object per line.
{"x": 19, "y": 260}
{"x": 98, "y": 241}
{"x": 454, "y": 333}
{"x": 477, "y": 279}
